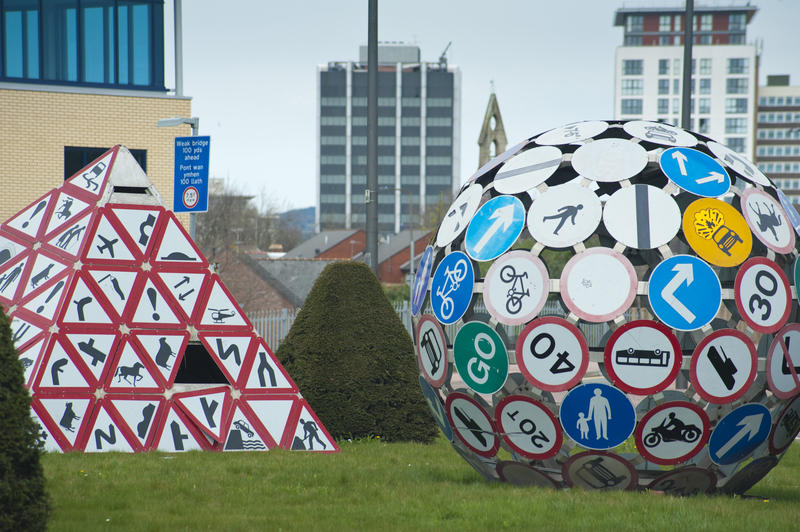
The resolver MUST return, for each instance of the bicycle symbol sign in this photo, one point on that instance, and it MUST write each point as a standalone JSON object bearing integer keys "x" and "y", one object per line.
{"x": 516, "y": 287}
{"x": 451, "y": 288}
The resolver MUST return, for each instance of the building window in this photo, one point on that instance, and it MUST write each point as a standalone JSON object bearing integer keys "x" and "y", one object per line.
{"x": 663, "y": 106}
{"x": 676, "y": 105}
{"x": 634, "y": 23}
{"x": 702, "y": 125}
{"x": 735, "y": 143}
{"x": 663, "y": 67}
{"x": 664, "y": 23}
{"x": 738, "y": 65}
{"x": 735, "y": 125}
{"x": 736, "y": 105}
{"x": 703, "y": 38}
{"x": 631, "y": 106}
{"x": 76, "y": 157}
{"x": 704, "y": 106}
{"x": 705, "y": 85}
{"x": 736, "y": 21}
{"x": 663, "y": 86}
{"x": 736, "y": 38}
{"x": 705, "y": 66}
{"x": 632, "y": 87}
{"x": 676, "y": 86}
{"x": 665, "y": 40}
{"x": 705, "y": 22}
{"x": 632, "y": 67}
{"x": 678, "y": 20}
{"x": 633, "y": 40}
{"x": 102, "y": 42}
{"x": 736, "y": 86}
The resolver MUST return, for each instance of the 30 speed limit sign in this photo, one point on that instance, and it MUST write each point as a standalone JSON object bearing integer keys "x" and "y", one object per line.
{"x": 763, "y": 296}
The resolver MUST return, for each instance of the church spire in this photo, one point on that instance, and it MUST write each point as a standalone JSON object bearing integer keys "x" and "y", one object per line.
{"x": 493, "y": 134}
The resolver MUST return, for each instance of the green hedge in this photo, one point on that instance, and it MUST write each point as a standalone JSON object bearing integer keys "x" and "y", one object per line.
{"x": 354, "y": 361}
{"x": 23, "y": 500}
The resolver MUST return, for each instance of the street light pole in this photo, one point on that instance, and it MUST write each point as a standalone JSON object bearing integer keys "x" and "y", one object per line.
{"x": 371, "y": 198}
{"x": 194, "y": 123}
{"x": 688, "y": 38}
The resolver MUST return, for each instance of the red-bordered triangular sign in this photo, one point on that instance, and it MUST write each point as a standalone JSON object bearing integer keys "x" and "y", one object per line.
{"x": 141, "y": 223}
{"x": 116, "y": 283}
{"x": 25, "y": 327}
{"x": 64, "y": 417}
{"x": 274, "y": 414}
{"x": 10, "y": 247}
{"x": 29, "y": 222}
{"x": 176, "y": 433}
{"x": 41, "y": 268}
{"x": 185, "y": 288}
{"x": 262, "y": 373}
{"x": 31, "y": 357}
{"x": 96, "y": 346}
{"x": 46, "y": 300}
{"x": 244, "y": 432}
{"x": 62, "y": 371}
{"x": 154, "y": 306}
{"x": 141, "y": 414}
{"x": 229, "y": 350}
{"x": 11, "y": 276}
{"x": 69, "y": 240}
{"x": 107, "y": 431}
{"x": 132, "y": 371}
{"x": 90, "y": 181}
{"x": 165, "y": 349}
{"x": 208, "y": 408}
{"x": 66, "y": 210}
{"x": 219, "y": 310}
{"x": 176, "y": 250}
{"x": 110, "y": 243}
{"x": 309, "y": 434}
{"x": 86, "y": 305}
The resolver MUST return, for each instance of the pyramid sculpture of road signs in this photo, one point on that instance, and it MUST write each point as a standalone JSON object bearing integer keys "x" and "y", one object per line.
{"x": 107, "y": 293}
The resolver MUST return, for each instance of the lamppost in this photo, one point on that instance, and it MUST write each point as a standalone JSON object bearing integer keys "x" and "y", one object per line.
{"x": 194, "y": 122}
{"x": 410, "y": 224}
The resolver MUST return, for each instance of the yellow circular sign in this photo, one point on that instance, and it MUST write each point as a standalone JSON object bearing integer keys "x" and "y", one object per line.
{"x": 717, "y": 232}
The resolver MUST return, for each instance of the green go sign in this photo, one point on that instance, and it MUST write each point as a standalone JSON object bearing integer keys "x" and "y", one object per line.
{"x": 481, "y": 358}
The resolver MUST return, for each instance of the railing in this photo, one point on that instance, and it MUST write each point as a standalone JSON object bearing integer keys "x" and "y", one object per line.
{"x": 273, "y": 325}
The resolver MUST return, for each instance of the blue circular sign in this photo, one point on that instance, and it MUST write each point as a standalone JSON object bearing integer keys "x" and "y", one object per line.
{"x": 695, "y": 172}
{"x": 421, "y": 280}
{"x": 684, "y": 292}
{"x": 597, "y": 416}
{"x": 739, "y": 433}
{"x": 451, "y": 288}
{"x": 494, "y": 228}
{"x": 437, "y": 408}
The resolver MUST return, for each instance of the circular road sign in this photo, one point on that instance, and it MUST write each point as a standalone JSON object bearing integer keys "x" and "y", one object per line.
{"x": 738, "y": 164}
{"x": 519, "y": 474}
{"x": 789, "y": 209}
{"x": 609, "y": 160}
{"x": 480, "y": 357}
{"x": 717, "y": 232}
{"x": 783, "y": 362}
{"x": 527, "y": 169}
{"x": 685, "y": 482}
{"x": 472, "y": 424}
{"x": 786, "y": 427}
{"x": 190, "y": 197}
{"x": 575, "y": 132}
{"x": 739, "y": 433}
{"x": 642, "y": 216}
{"x": 459, "y": 214}
{"x": 528, "y": 427}
{"x": 597, "y": 416}
{"x": 723, "y": 366}
{"x": 437, "y": 408}
{"x": 642, "y": 357}
{"x": 421, "y": 280}
{"x": 659, "y": 133}
{"x": 768, "y": 220}
{"x": 695, "y": 172}
{"x": 552, "y": 354}
{"x": 599, "y": 471}
{"x": 763, "y": 296}
{"x": 431, "y": 350}
{"x": 672, "y": 432}
{"x": 494, "y": 228}
{"x": 684, "y": 292}
{"x": 564, "y": 215}
{"x": 516, "y": 287}
{"x": 451, "y": 288}
{"x": 598, "y": 284}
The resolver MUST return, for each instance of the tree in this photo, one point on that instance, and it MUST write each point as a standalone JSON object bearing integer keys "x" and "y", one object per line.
{"x": 24, "y": 503}
{"x": 354, "y": 361}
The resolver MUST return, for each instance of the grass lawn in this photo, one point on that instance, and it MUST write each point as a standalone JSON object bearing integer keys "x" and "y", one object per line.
{"x": 372, "y": 485}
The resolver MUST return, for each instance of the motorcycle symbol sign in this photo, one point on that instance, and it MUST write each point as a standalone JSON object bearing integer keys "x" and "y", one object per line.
{"x": 451, "y": 288}
{"x": 672, "y": 432}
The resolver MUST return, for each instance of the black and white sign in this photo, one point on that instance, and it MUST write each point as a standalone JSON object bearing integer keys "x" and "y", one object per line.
{"x": 459, "y": 215}
{"x": 552, "y": 354}
{"x": 564, "y": 215}
{"x": 527, "y": 170}
{"x": 575, "y": 132}
{"x": 786, "y": 427}
{"x": 598, "y": 284}
{"x": 783, "y": 362}
{"x": 516, "y": 287}
{"x": 767, "y": 220}
{"x": 431, "y": 350}
{"x": 472, "y": 424}
{"x": 660, "y": 133}
{"x": 763, "y": 296}
{"x": 642, "y": 216}
{"x": 723, "y": 366}
{"x": 642, "y": 357}
{"x": 672, "y": 432}
{"x": 598, "y": 470}
{"x": 738, "y": 163}
{"x": 609, "y": 160}
{"x": 528, "y": 427}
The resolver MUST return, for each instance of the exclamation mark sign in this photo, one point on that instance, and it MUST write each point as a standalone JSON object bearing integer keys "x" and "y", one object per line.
{"x": 151, "y": 295}
{"x": 50, "y": 296}
{"x": 37, "y": 210}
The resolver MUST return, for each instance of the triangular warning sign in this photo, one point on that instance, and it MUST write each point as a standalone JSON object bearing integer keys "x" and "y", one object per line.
{"x": 126, "y": 335}
{"x": 206, "y": 408}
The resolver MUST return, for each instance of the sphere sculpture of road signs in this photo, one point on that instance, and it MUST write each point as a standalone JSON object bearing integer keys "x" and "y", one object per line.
{"x": 611, "y": 305}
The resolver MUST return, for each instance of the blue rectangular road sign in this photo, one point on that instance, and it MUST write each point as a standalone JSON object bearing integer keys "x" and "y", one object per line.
{"x": 191, "y": 174}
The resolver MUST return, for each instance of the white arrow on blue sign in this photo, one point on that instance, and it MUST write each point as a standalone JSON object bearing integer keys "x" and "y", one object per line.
{"x": 421, "y": 280}
{"x": 695, "y": 172}
{"x": 495, "y": 228}
{"x": 739, "y": 433}
{"x": 684, "y": 292}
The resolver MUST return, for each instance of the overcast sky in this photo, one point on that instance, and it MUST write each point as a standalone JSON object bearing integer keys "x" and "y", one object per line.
{"x": 250, "y": 68}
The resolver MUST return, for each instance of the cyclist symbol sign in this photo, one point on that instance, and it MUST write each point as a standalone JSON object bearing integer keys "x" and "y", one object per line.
{"x": 516, "y": 287}
{"x": 451, "y": 288}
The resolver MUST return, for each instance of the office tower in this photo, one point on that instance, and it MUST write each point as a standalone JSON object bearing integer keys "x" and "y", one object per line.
{"x": 778, "y": 134}
{"x": 418, "y": 138}
{"x": 648, "y": 73}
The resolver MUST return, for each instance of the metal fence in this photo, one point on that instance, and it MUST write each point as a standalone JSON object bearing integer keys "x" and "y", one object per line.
{"x": 273, "y": 325}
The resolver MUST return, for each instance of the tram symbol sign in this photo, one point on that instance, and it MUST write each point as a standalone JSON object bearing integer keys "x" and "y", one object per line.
{"x": 597, "y": 416}
{"x": 421, "y": 280}
{"x": 684, "y": 292}
{"x": 739, "y": 433}
{"x": 695, "y": 172}
{"x": 480, "y": 357}
{"x": 451, "y": 287}
{"x": 495, "y": 228}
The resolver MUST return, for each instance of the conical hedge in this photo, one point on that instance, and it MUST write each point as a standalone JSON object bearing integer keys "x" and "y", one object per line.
{"x": 23, "y": 500}
{"x": 350, "y": 354}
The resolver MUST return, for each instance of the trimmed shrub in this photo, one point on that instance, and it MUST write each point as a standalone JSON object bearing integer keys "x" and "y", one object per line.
{"x": 354, "y": 361}
{"x": 23, "y": 500}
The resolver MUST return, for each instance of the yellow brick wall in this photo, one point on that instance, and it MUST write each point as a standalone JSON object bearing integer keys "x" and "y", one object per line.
{"x": 35, "y": 125}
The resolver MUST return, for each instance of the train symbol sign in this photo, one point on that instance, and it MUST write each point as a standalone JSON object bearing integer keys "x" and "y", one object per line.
{"x": 695, "y": 172}
{"x": 495, "y": 228}
{"x": 597, "y": 416}
{"x": 739, "y": 433}
{"x": 684, "y": 292}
